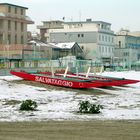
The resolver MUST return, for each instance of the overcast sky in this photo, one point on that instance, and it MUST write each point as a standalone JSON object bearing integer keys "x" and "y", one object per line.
{"x": 120, "y": 13}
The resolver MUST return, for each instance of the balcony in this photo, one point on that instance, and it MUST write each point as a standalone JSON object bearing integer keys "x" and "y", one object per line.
{"x": 2, "y": 14}
{"x": 106, "y": 31}
{"x": 21, "y": 18}
{"x": 50, "y": 26}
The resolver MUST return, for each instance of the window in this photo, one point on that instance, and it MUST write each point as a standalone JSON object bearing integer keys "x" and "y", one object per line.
{"x": 15, "y": 25}
{"x": 1, "y": 23}
{"x": 21, "y": 11}
{"x": 126, "y": 53}
{"x": 112, "y": 39}
{"x": 9, "y": 9}
{"x": 102, "y": 48}
{"x": 15, "y": 10}
{"x": 9, "y": 24}
{"x": 109, "y": 38}
{"x": 15, "y": 39}
{"x": 112, "y": 49}
{"x": 106, "y": 38}
{"x": 102, "y": 26}
{"x": 82, "y": 35}
{"x": 22, "y": 27}
{"x": 99, "y": 37}
{"x": 102, "y": 38}
{"x": 109, "y": 50}
{"x": 1, "y": 38}
{"x": 106, "y": 49}
{"x": 22, "y": 40}
{"x": 9, "y": 39}
{"x": 119, "y": 44}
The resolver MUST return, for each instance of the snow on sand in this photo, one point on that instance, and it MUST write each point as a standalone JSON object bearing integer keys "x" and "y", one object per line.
{"x": 120, "y": 103}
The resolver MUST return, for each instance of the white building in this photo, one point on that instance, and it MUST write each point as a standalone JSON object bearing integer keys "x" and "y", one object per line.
{"x": 127, "y": 49}
{"x": 95, "y": 38}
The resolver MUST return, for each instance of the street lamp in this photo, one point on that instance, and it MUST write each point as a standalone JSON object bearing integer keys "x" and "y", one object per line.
{"x": 34, "y": 50}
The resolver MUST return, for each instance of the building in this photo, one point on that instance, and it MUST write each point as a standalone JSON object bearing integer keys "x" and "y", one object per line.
{"x": 56, "y": 24}
{"x": 134, "y": 33}
{"x": 55, "y": 50}
{"x": 60, "y": 50}
{"x": 127, "y": 51}
{"x": 13, "y": 24}
{"x": 13, "y": 31}
{"x": 94, "y": 37}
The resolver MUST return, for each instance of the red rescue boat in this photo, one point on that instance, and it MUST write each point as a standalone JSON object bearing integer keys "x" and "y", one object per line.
{"x": 58, "y": 81}
{"x": 72, "y": 80}
{"x": 103, "y": 80}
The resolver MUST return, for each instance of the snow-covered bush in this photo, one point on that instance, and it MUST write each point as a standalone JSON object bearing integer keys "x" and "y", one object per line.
{"x": 28, "y": 105}
{"x": 87, "y": 107}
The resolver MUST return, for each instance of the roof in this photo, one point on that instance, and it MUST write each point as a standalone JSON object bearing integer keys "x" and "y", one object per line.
{"x": 37, "y": 43}
{"x": 13, "y": 5}
{"x": 28, "y": 19}
{"x": 97, "y": 22}
{"x": 68, "y": 45}
{"x": 52, "y": 21}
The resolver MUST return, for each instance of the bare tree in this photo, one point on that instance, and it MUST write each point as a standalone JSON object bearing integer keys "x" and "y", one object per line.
{"x": 86, "y": 51}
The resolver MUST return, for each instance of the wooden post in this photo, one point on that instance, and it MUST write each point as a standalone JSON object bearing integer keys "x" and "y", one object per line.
{"x": 66, "y": 70}
{"x": 88, "y": 72}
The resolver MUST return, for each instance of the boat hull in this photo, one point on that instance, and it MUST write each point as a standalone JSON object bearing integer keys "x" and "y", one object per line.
{"x": 56, "y": 81}
{"x": 105, "y": 81}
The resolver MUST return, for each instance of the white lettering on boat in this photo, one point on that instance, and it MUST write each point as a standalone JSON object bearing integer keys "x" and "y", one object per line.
{"x": 53, "y": 81}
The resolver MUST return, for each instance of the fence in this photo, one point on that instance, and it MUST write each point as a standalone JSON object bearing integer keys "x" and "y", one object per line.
{"x": 45, "y": 65}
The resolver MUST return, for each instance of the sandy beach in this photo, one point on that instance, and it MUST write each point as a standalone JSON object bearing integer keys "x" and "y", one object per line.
{"x": 70, "y": 130}
{"x": 56, "y": 117}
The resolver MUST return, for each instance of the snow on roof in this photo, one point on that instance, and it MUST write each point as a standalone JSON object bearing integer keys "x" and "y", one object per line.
{"x": 2, "y": 14}
{"x": 68, "y": 45}
{"x": 37, "y": 43}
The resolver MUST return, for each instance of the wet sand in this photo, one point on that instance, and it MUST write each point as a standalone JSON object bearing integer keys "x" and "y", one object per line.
{"x": 70, "y": 130}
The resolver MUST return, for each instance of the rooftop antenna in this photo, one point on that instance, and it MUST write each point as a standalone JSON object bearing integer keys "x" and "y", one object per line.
{"x": 80, "y": 15}
{"x": 71, "y": 19}
{"x": 63, "y": 18}
{"x": 50, "y": 18}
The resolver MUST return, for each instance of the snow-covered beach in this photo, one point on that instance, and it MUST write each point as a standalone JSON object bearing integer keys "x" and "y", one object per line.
{"x": 118, "y": 102}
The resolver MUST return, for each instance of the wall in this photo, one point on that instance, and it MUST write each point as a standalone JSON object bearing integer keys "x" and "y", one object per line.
{"x": 18, "y": 15}
{"x": 79, "y": 37}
